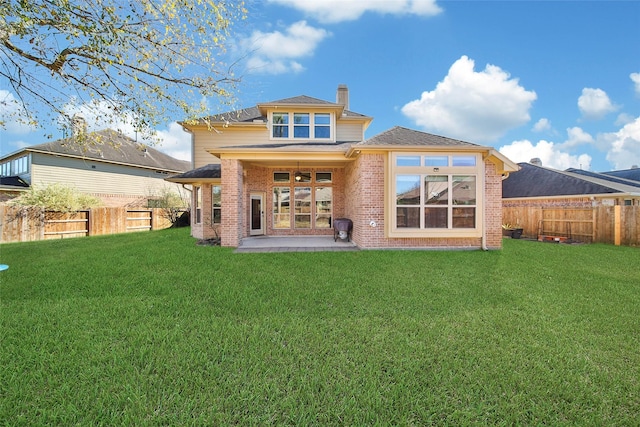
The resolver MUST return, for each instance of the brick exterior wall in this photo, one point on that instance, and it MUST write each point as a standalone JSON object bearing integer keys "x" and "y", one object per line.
{"x": 492, "y": 206}
{"x": 260, "y": 180}
{"x": 365, "y": 183}
{"x": 206, "y": 229}
{"x": 358, "y": 194}
{"x": 233, "y": 203}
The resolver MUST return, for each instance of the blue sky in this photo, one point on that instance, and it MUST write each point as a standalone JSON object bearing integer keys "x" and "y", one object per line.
{"x": 554, "y": 80}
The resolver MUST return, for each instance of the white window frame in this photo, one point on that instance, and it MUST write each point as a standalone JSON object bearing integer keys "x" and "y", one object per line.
{"x": 215, "y": 208}
{"x": 197, "y": 195}
{"x": 291, "y": 125}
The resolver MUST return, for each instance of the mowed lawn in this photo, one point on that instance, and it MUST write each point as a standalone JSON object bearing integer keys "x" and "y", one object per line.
{"x": 151, "y": 329}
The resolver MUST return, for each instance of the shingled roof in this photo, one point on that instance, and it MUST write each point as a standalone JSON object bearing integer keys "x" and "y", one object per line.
{"x": 605, "y": 176}
{"x": 631, "y": 174}
{"x": 538, "y": 181}
{"x": 210, "y": 171}
{"x": 251, "y": 114}
{"x": 399, "y": 135}
{"x": 113, "y": 147}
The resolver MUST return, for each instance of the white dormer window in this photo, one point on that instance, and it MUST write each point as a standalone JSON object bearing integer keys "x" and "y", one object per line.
{"x": 285, "y": 125}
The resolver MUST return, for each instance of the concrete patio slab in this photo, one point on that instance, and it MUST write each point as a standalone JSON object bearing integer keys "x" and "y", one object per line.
{"x": 293, "y": 244}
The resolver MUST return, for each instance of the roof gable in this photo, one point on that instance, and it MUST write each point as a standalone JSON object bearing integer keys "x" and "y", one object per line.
{"x": 111, "y": 146}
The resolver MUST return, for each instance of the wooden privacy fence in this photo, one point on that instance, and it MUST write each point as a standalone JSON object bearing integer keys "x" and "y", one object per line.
{"x": 618, "y": 225}
{"x": 23, "y": 225}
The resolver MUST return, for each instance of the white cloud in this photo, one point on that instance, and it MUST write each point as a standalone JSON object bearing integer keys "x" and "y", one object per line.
{"x": 476, "y": 106}
{"x": 333, "y": 11}
{"x": 594, "y": 104}
{"x": 548, "y": 152}
{"x": 577, "y": 136}
{"x": 13, "y": 115}
{"x": 635, "y": 77}
{"x": 279, "y": 52}
{"x": 623, "y": 119}
{"x": 175, "y": 142}
{"x": 542, "y": 125}
{"x": 623, "y": 147}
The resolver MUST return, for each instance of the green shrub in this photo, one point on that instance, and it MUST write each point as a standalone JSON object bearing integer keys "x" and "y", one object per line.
{"x": 56, "y": 197}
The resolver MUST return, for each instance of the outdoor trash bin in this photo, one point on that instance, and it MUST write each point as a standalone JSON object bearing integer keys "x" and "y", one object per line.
{"x": 342, "y": 229}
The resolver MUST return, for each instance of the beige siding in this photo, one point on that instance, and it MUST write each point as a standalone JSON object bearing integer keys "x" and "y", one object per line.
{"x": 206, "y": 140}
{"x": 222, "y": 137}
{"x": 349, "y": 132}
{"x": 95, "y": 177}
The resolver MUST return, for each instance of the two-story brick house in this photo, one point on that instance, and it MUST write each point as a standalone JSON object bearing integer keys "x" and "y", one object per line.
{"x": 294, "y": 166}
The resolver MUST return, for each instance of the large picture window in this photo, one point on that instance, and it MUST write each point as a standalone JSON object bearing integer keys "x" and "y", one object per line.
{"x": 435, "y": 192}
{"x": 435, "y": 201}
{"x": 304, "y": 207}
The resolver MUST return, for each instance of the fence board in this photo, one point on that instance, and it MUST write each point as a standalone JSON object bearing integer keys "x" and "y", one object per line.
{"x": 596, "y": 224}
{"x": 23, "y": 225}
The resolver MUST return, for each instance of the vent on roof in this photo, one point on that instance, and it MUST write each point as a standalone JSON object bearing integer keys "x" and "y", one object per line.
{"x": 536, "y": 161}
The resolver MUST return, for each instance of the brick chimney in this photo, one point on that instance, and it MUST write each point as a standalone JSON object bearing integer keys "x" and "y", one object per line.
{"x": 342, "y": 96}
{"x": 78, "y": 126}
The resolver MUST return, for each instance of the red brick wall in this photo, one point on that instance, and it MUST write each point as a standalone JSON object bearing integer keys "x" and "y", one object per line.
{"x": 260, "y": 179}
{"x": 233, "y": 200}
{"x": 365, "y": 183}
{"x": 493, "y": 206}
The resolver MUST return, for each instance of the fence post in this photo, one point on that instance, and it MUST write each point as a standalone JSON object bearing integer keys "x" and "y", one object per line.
{"x": 616, "y": 224}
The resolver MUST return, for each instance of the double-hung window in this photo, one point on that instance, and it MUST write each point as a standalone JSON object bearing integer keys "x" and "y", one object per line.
{"x": 216, "y": 204}
{"x": 197, "y": 190}
{"x": 435, "y": 194}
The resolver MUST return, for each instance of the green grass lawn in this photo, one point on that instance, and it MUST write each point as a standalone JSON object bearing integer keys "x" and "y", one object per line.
{"x": 151, "y": 329}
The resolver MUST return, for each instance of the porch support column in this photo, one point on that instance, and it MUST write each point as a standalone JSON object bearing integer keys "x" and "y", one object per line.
{"x": 232, "y": 203}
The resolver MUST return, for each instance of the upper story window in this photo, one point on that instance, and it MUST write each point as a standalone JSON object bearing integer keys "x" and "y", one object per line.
{"x": 17, "y": 166}
{"x": 301, "y": 125}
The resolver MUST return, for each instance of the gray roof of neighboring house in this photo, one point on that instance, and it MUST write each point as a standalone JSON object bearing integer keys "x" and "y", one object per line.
{"x": 399, "y": 135}
{"x": 205, "y": 172}
{"x": 606, "y": 176}
{"x": 539, "y": 181}
{"x": 248, "y": 115}
{"x": 113, "y": 147}
{"x": 632, "y": 174}
{"x": 13, "y": 181}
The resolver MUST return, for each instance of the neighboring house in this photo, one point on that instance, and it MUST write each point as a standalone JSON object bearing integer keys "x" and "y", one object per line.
{"x": 295, "y": 166}
{"x": 536, "y": 185}
{"x": 106, "y": 164}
